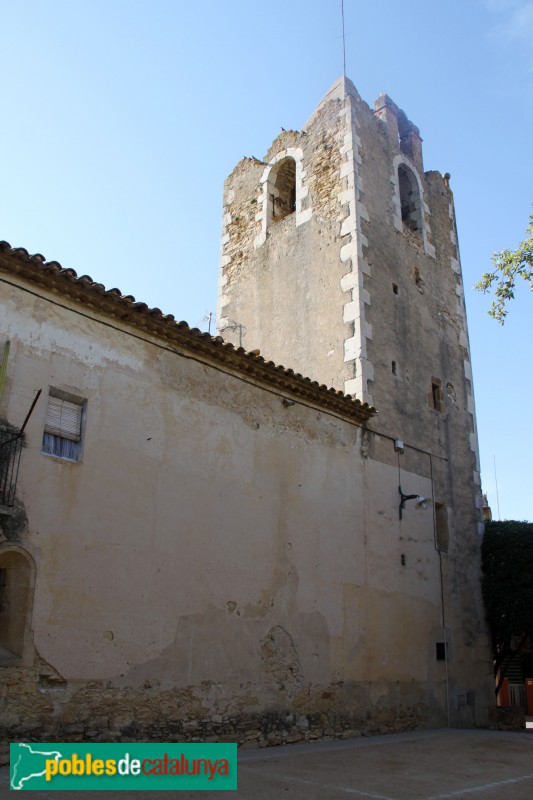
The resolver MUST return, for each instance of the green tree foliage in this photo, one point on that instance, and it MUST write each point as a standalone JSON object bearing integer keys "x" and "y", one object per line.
{"x": 507, "y": 564}
{"x": 508, "y": 266}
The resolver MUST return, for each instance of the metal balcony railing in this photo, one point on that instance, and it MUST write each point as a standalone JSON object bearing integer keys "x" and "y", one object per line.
{"x": 11, "y": 442}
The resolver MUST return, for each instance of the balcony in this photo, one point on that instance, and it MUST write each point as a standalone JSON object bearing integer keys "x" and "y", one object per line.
{"x": 11, "y": 443}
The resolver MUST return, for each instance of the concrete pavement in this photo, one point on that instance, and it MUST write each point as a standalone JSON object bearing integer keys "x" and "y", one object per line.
{"x": 425, "y": 765}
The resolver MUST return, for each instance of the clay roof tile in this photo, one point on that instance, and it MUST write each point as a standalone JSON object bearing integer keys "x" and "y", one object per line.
{"x": 140, "y": 314}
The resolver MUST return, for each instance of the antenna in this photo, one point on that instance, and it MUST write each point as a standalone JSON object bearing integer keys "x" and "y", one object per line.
{"x": 343, "y": 42}
{"x": 208, "y": 317}
{"x": 231, "y": 325}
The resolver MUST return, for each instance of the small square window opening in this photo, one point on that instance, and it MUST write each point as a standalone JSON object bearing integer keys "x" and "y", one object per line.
{"x": 441, "y": 651}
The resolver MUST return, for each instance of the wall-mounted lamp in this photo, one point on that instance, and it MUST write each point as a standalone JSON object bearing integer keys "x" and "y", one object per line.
{"x": 421, "y": 502}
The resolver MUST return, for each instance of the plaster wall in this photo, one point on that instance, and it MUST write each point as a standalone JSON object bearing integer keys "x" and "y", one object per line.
{"x": 218, "y": 563}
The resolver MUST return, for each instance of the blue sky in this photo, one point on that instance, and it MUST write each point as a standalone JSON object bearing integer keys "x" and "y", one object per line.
{"x": 121, "y": 119}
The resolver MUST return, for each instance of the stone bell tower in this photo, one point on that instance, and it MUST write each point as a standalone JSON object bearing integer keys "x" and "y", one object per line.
{"x": 340, "y": 260}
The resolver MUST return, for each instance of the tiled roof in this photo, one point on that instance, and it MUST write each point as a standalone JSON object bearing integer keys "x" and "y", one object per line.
{"x": 66, "y": 282}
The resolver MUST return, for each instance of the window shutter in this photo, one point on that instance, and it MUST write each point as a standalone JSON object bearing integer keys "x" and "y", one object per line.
{"x": 63, "y": 419}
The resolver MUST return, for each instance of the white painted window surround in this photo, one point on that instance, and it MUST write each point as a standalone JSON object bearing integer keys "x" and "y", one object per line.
{"x": 424, "y": 211}
{"x": 302, "y": 191}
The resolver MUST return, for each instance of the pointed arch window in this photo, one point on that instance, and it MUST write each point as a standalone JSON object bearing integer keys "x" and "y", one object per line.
{"x": 281, "y": 191}
{"x": 410, "y": 200}
{"x": 284, "y": 193}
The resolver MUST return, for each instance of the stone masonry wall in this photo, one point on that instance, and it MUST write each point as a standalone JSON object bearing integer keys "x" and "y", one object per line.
{"x": 38, "y": 705}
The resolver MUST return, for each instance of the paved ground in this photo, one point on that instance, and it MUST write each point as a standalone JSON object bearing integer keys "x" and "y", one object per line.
{"x": 428, "y": 765}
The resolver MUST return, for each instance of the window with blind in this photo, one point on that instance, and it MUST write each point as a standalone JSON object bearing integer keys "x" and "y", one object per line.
{"x": 63, "y": 425}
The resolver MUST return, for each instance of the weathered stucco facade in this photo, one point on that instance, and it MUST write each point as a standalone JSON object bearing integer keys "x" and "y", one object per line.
{"x": 220, "y": 555}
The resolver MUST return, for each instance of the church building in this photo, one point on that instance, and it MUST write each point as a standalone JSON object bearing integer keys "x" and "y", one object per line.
{"x": 273, "y": 534}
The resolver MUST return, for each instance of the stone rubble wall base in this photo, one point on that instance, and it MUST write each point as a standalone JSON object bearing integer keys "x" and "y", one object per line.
{"x": 41, "y": 706}
{"x": 506, "y": 718}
